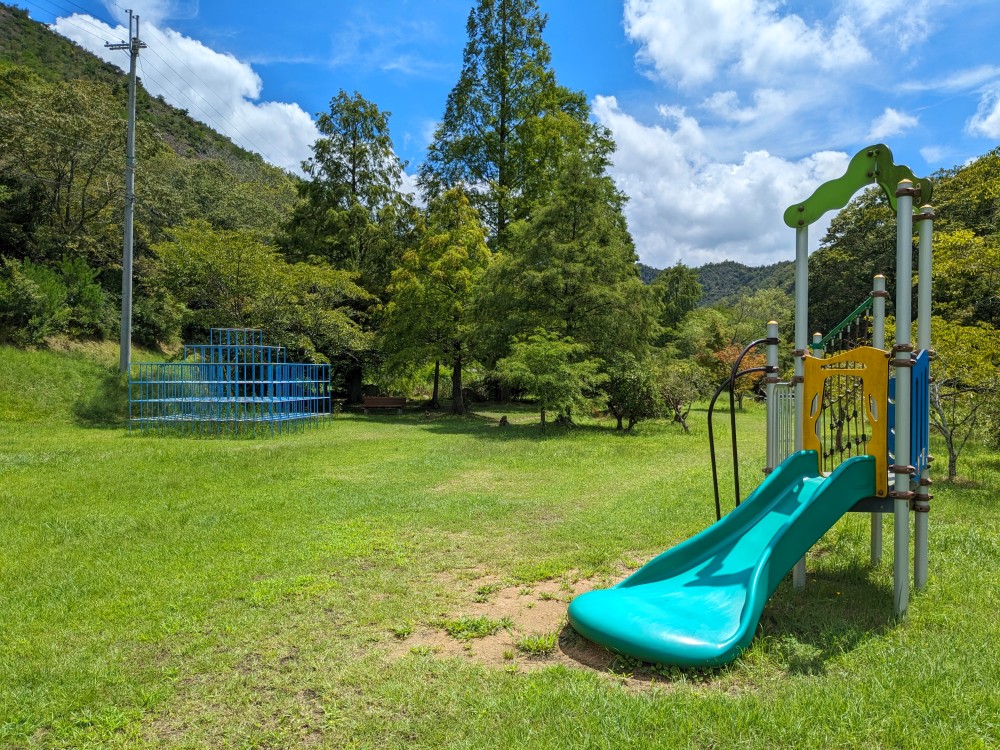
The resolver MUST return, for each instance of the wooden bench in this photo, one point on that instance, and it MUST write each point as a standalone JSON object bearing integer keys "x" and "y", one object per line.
{"x": 384, "y": 402}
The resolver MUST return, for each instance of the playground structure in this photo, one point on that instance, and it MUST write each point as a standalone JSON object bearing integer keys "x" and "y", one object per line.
{"x": 849, "y": 432}
{"x": 234, "y": 384}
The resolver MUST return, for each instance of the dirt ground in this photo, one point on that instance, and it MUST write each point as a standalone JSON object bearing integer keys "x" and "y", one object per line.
{"x": 537, "y": 609}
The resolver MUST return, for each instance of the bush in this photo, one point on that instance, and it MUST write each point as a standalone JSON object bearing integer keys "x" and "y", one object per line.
{"x": 90, "y": 314}
{"x": 33, "y": 302}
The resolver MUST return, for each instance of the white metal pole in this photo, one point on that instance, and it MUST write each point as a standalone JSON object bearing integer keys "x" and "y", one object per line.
{"x": 878, "y": 341}
{"x": 903, "y": 362}
{"x": 771, "y": 387}
{"x": 801, "y": 343}
{"x": 921, "y": 503}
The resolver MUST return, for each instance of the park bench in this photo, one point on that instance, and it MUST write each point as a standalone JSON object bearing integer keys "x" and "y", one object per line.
{"x": 384, "y": 402}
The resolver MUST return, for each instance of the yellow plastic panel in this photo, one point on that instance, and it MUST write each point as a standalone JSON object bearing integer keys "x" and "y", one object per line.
{"x": 872, "y": 367}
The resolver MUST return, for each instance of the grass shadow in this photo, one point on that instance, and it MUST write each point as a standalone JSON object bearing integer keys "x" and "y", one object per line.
{"x": 836, "y": 612}
{"x": 105, "y": 406}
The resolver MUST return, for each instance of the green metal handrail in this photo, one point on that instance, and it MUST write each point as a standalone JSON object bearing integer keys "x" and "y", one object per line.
{"x": 857, "y": 313}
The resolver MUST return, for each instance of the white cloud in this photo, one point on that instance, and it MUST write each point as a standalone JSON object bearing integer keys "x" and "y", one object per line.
{"x": 960, "y": 80}
{"x": 767, "y": 104}
{"x": 908, "y": 20}
{"x": 154, "y": 11}
{"x": 933, "y": 154}
{"x": 691, "y": 41}
{"x": 686, "y": 206}
{"x": 890, "y": 122}
{"x": 986, "y": 121}
{"x": 215, "y": 88}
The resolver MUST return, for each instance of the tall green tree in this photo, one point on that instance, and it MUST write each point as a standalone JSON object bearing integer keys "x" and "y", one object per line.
{"x": 430, "y": 316}
{"x": 679, "y": 292}
{"x": 491, "y": 138}
{"x": 860, "y": 243}
{"x": 575, "y": 271}
{"x": 352, "y": 212}
{"x": 67, "y": 140}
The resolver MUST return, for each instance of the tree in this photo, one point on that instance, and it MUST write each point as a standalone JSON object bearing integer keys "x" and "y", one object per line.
{"x": 352, "y": 208}
{"x": 860, "y": 243}
{"x": 681, "y": 382}
{"x": 966, "y": 277}
{"x": 575, "y": 270}
{"x": 679, "y": 292}
{"x": 230, "y": 278}
{"x": 488, "y": 139}
{"x": 749, "y": 314}
{"x": 68, "y": 140}
{"x": 429, "y": 315}
{"x": 554, "y": 370}
{"x": 965, "y": 382}
{"x": 726, "y": 358}
{"x": 632, "y": 390}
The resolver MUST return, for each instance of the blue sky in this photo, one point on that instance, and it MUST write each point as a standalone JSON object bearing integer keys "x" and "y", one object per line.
{"x": 724, "y": 111}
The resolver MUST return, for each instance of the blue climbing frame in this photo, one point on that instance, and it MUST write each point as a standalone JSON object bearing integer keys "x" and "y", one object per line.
{"x": 234, "y": 384}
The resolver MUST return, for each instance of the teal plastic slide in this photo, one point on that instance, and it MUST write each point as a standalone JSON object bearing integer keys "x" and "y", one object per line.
{"x": 698, "y": 603}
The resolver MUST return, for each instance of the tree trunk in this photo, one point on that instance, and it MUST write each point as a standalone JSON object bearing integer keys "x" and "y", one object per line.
{"x": 543, "y": 417}
{"x": 619, "y": 418}
{"x": 457, "y": 402}
{"x": 355, "y": 394}
{"x": 435, "y": 404}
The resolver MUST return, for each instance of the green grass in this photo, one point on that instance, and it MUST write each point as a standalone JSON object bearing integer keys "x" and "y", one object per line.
{"x": 538, "y": 644}
{"x": 167, "y": 592}
{"x": 466, "y": 628}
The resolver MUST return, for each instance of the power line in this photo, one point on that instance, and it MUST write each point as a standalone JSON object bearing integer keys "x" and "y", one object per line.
{"x": 234, "y": 133}
{"x": 207, "y": 88}
{"x": 241, "y": 134}
{"x": 55, "y": 13}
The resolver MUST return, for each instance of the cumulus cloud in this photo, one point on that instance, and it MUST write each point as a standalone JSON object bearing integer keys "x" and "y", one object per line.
{"x": 685, "y": 206}
{"x": 690, "y": 41}
{"x": 933, "y": 154}
{"x": 986, "y": 121}
{"x": 215, "y": 88}
{"x": 890, "y": 122}
{"x": 768, "y": 104}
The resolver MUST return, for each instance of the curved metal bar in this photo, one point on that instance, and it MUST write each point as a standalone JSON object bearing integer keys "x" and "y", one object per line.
{"x": 732, "y": 409}
{"x": 736, "y": 373}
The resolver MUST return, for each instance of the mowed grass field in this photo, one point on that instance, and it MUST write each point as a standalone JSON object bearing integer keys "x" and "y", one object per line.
{"x": 187, "y": 593}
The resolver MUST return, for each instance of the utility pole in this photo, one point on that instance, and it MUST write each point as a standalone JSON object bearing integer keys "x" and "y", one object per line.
{"x": 133, "y": 45}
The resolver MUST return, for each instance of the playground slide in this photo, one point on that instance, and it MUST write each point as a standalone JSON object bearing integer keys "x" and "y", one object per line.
{"x": 698, "y": 603}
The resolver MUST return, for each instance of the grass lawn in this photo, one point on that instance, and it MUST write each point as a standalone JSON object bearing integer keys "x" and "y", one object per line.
{"x": 335, "y": 588}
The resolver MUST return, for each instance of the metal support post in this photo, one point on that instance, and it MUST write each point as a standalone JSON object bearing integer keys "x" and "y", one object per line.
{"x": 921, "y": 504}
{"x": 878, "y": 341}
{"x": 903, "y": 361}
{"x": 801, "y": 343}
{"x": 772, "y": 403}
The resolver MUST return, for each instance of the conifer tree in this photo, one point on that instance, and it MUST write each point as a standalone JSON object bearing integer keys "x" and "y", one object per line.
{"x": 487, "y": 138}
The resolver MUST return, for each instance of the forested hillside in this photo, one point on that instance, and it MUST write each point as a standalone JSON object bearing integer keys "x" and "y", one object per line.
{"x": 53, "y": 58}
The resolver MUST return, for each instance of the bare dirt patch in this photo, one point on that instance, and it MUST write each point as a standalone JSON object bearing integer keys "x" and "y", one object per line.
{"x": 537, "y": 613}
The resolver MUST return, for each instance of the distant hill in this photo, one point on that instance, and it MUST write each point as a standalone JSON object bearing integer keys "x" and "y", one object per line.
{"x": 720, "y": 281}
{"x": 54, "y": 58}
{"x": 647, "y": 273}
